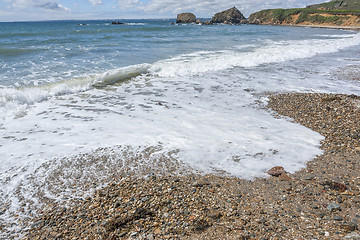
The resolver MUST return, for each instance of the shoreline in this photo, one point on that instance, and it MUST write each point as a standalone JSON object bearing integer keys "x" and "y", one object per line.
{"x": 319, "y": 202}
{"x": 352, "y": 28}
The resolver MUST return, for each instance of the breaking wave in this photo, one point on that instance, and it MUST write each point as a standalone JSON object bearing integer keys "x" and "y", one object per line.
{"x": 180, "y": 66}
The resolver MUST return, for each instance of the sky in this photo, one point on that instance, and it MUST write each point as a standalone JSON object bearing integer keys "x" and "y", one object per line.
{"x": 38, "y": 10}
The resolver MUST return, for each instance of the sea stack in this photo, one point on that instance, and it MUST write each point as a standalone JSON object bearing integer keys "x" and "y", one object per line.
{"x": 230, "y": 16}
{"x": 186, "y": 18}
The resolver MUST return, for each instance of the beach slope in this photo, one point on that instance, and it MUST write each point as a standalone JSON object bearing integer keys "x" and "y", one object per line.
{"x": 319, "y": 202}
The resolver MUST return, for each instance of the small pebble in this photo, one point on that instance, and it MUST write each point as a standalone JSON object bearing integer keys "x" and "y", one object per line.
{"x": 333, "y": 207}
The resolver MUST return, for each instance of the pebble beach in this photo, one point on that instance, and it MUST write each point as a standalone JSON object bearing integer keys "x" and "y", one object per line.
{"x": 322, "y": 201}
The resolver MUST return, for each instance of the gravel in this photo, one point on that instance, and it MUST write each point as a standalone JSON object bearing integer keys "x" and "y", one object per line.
{"x": 321, "y": 201}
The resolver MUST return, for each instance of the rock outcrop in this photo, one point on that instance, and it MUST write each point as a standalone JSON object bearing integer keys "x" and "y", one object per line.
{"x": 230, "y": 16}
{"x": 186, "y": 18}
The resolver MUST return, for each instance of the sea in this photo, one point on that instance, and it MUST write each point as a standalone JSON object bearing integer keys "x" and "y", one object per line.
{"x": 84, "y": 102}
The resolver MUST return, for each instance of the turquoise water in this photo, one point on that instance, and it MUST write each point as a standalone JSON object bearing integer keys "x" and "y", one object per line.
{"x": 45, "y": 52}
{"x": 192, "y": 93}
{"x": 35, "y": 53}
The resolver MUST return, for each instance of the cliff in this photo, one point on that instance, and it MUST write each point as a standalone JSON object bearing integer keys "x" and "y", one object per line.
{"x": 332, "y": 13}
{"x": 337, "y": 4}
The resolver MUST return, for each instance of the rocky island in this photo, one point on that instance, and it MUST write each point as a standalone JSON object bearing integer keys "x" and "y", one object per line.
{"x": 186, "y": 18}
{"x": 336, "y": 13}
{"x": 230, "y": 16}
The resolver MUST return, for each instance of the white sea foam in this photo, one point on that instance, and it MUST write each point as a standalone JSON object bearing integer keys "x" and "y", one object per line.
{"x": 136, "y": 24}
{"x": 13, "y": 101}
{"x": 271, "y": 52}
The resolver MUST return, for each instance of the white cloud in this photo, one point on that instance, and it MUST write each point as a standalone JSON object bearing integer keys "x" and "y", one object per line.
{"x": 48, "y": 5}
{"x": 52, "y": 9}
{"x": 51, "y": 6}
{"x": 96, "y": 2}
{"x": 126, "y": 4}
{"x": 209, "y": 7}
{"x": 20, "y": 3}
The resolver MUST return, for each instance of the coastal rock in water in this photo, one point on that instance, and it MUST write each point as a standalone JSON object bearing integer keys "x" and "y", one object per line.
{"x": 185, "y": 18}
{"x": 117, "y": 23}
{"x": 230, "y": 16}
{"x": 276, "y": 171}
{"x": 254, "y": 20}
{"x": 198, "y": 21}
{"x": 259, "y": 18}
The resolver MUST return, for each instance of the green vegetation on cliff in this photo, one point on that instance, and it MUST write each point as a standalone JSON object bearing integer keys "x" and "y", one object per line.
{"x": 327, "y": 13}
{"x": 337, "y": 4}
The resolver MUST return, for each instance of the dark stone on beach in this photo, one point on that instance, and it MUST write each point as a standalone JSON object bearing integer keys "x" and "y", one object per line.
{"x": 117, "y": 23}
{"x": 186, "y": 18}
{"x": 314, "y": 206}
{"x": 332, "y": 207}
{"x": 335, "y": 186}
{"x": 352, "y": 236}
{"x": 201, "y": 182}
{"x": 214, "y": 214}
{"x": 200, "y": 225}
{"x": 276, "y": 171}
{"x": 308, "y": 177}
{"x": 118, "y": 222}
{"x": 230, "y": 16}
{"x": 338, "y": 218}
{"x": 284, "y": 177}
{"x": 350, "y": 227}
